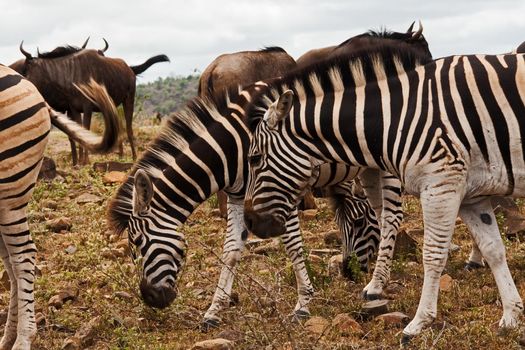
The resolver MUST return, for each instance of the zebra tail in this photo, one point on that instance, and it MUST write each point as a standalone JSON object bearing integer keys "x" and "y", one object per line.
{"x": 99, "y": 96}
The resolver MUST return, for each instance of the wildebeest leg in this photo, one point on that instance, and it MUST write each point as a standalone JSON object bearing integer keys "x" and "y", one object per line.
{"x": 128, "y": 114}
{"x": 19, "y": 253}
{"x": 236, "y": 235}
{"x": 77, "y": 118}
{"x": 86, "y": 123}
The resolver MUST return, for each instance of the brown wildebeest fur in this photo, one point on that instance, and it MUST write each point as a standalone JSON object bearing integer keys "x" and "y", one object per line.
{"x": 240, "y": 69}
{"x": 54, "y": 74}
{"x": 414, "y": 40}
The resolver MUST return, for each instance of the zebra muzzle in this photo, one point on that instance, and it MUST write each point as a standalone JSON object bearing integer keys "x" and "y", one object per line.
{"x": 157, "y": 296}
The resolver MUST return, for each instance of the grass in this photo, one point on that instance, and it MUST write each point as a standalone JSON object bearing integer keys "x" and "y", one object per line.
{"x": 467, "y": 319}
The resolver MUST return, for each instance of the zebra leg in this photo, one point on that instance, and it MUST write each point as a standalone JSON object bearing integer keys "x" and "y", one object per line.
{"x": 391, "y": 218}
{"x": 293, "y": 244}
{"x": 17, "y": 243}
{"x": 12, "y": 315}
{"x": 475, "y": 260}
{"x": 440, "y": 209}
{"x": 481, "y": 221}
{"x": 236, "y": 235}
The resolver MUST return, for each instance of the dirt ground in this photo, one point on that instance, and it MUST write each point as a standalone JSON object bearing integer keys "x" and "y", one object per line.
{"x": 94, "y": 266}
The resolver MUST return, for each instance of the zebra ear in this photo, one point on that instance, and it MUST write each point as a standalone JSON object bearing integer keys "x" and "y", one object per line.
{"x": 142, "y": 192}
{"x": 279, "y": 109}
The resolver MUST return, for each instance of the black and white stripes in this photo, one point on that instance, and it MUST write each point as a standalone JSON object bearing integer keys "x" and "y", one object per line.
{"x": 451, "y": 130}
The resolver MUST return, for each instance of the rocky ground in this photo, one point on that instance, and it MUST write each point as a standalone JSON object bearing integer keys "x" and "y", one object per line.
{"x": 87, "y": 289}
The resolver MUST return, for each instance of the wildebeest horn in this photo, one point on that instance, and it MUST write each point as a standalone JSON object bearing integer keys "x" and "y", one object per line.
{"x": 85, "y": 43}
{"x": 409, "y": 30}
{"x": 24, "y": 52}
{"x": 417, "y": 34}
{"x": 106, "y": 47}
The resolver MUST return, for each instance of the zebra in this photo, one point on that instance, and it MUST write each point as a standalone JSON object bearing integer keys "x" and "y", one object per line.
{"x": 203, "y": 149}
{"x": 450, "y": 130}
{"x": 200, "y": 151}
{"x": 25, "y": 122}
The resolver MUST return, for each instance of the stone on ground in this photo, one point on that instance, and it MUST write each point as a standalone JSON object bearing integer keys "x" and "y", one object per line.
{"x": 345, "y": 325}
{"x": 396, "y": 318}
{"x": 214, "y": 344}
{"x": 317, "y": 325}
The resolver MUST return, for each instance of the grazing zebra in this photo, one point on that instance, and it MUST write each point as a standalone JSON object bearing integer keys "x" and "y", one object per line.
{"x": 201, "y": 150}
{"x": 450, "y": 130}
{"x": 25, "y": 122}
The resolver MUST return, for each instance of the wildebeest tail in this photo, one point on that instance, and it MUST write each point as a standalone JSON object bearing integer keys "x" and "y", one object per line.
{"x": 151, "y": 61}
{"x": 97, "y": 94}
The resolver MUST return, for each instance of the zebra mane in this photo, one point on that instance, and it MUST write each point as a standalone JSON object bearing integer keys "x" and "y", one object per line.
{"x": 178, "y": 132}
{"x": 60, "y": 51}
{"x": 354, "y": 68}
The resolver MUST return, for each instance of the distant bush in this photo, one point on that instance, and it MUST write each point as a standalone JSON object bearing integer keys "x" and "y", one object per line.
{"x": 164, "y": 95}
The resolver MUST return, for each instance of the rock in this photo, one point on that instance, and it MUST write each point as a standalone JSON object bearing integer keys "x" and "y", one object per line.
{"x": 308, "y": 214}
{"x": 49, "y": 203}
{"x": 406, "y": 246}
{"x": 4, "y": 280}
{"x": 230, "y": 334}
{"x": 394, "y": 287}
{"x": 214, "y": 344}
{"x": 317, "y": 325}
{"x": 314, "y": 258}
{"x": 396, "y": 318}
{"x": 88, "y": 331}
{"x": 40, "y": 320}
{"x": 72, "y": 343}
{"x": 62, "y": 297}
{"x": 59, "y": 224}
{"x": 123, "y": 295}
{"x": 71, "y": 249}
{"x": 445, "y": 283}
{"x": 271, "y": 247}
{"x": 254, "y": 242}
{"x": 114, "y": 177}
{"x": 345, "y": 325}
{"x": 48, "y": 170}
{"x": 375, "y": 307}
{"x": 333, "y": 238}
{"x": 113, "y": 253}
{"x": 110, "y": 166}
{"x": 335, "y": 264}
{"x": 88, "y": 198}
{"x": 324, "y": 252}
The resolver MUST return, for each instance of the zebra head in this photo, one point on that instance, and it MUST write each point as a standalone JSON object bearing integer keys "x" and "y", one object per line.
{"x": 279, "y": 173}
{"x": 154, "y": 234}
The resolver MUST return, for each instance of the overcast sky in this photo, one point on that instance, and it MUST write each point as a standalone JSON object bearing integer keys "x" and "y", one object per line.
{"x": 192, "y": 33}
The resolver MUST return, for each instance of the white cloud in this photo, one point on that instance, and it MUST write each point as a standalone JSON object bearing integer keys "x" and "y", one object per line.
{"x": 194, "y": 32}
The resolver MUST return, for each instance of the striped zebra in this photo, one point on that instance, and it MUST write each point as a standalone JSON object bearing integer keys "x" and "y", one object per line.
{"x": 25, "y": 122}
{"x": 201, "y": 150}
{"x": 450, "y": 130}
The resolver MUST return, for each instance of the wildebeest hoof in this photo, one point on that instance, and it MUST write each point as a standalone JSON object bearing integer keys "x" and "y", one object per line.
{"x": 405, "y": 340}
{"x": 371, "y": 297}
{"x": 300, "y": 315}
{"x": 471, "y": 265}
{"x": 209, "y": 323}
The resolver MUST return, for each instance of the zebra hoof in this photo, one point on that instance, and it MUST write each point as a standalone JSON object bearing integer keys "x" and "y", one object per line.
{"x": 300, "y": 315}
{"x": 471, "y": 265}
{"x": 405, "y": 340}
{"x": 371, "y": 297}
{"x": 208, "y": 324}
